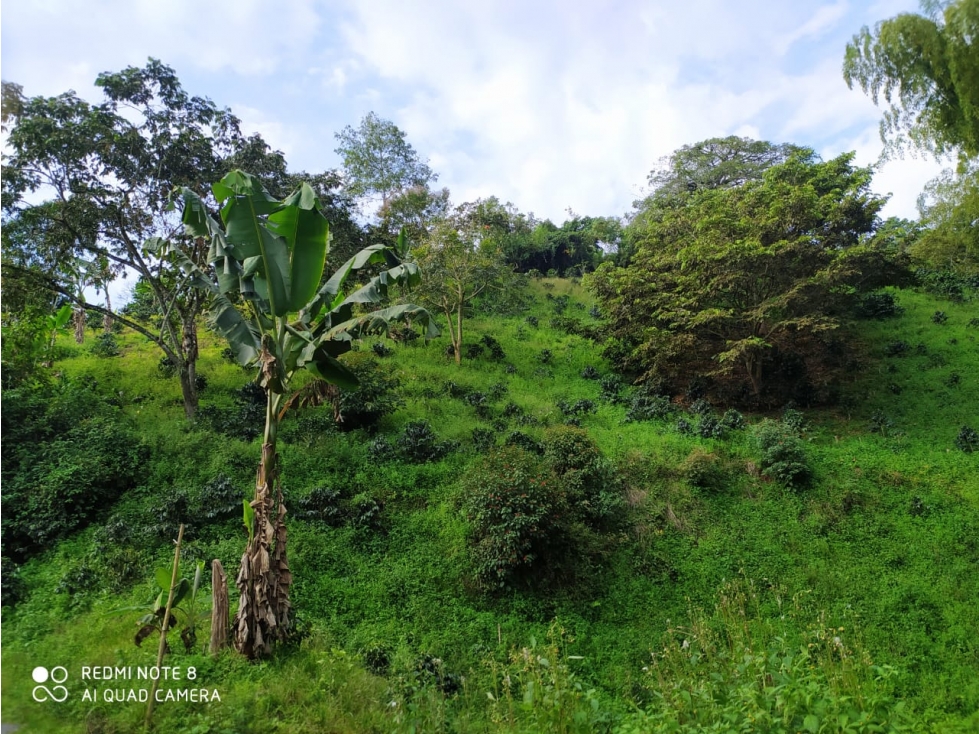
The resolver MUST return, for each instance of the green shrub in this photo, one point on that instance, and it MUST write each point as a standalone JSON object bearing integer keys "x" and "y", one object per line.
{"x": 646, "y": 407}
{"x": 219, "y": 500}
{"x": 880, "y": 423}
{"x": 244, "y": 421}
{"x": 704, "y": 470}
{"x": 588, "y": 481}
{"x": 568, "y": 449}
{"x": 783, "y": 455}
{"x": 897, "y": 349}
{"x": 381, "y": 349}
{"x": 105, "y": 345}
{"x": 68, "y": 453}
{"x": 967, "y": 440}
{"x": 517, "y": 515}
{"x": 732, "y": 420}
{"x": 710, "y": 427}
{"x": 877, "y": 306}
{"x": 610, "y": 388}
{"x": 166, "y": 367}
{"x": 577, "y": 408}
{"x": 322, "y": 504}
{"x": 524, "y": 441}
{"x": 375, "y": 397}
{"x": 494, "y": 348}
{"x": 483, "y": 439}
{"x": 419, "y": 444}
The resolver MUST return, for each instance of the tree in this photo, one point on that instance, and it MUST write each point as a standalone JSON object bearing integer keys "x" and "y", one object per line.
{"x": 950, "y": 214}
{"x": 748, "y": 285}
{"x": 379, "y": 161}
{"x": 413, "y": 211}
{"x": 459, "y": 265}
{"x": 12, "y": 99}
{"x": 269, "y": 304}
{"x": 107, "y": 170}
{"x": 926, "y": 69}
{"x": 715, "y": 163}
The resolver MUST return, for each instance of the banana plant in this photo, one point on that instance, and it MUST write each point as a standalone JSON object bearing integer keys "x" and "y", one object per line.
{"x": 270, "y": 302}
{"x": 184, "y": 601}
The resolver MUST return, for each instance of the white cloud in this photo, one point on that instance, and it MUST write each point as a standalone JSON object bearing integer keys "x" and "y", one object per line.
{"x": 573, "y": 107}
{"x": 548, "y": 104}
{"x": 278, "y": 134}
{"x": 822, "y": 20}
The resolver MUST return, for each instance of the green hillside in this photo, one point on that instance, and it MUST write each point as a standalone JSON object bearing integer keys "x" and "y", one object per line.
{"x": 696, "y": 592}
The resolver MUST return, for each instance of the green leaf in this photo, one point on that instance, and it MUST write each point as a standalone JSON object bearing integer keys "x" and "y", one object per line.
{"x": 330, "y": 292}
{"x": 250, "y": 237}
{"x": 163, "y": 577}
{"x": 378, "y": 322}
{"x": 181, "y": 591}
{"x": 322, "y": 364}
{"x": 241, "y": 184}
{"x": 63, "y": 316}
{"x": 243, "y": 336}
{"x": 195, "y": 217}
{"x": 307, "y": 235}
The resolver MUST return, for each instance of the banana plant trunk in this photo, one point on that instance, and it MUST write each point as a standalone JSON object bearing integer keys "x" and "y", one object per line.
{"x": 264, "y": 577}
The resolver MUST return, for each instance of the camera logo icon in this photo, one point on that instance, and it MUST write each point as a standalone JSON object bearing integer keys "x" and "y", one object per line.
{"x": 56, "y": 675}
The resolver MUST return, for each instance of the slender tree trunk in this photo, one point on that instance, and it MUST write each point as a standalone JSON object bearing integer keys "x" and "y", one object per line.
{"x": 107, "y": 318}
{"x": 459, "y": 334}
{"x": 188, "y": 368}
{"x": 754, "y": 367}
{"x": 264, "y": 578}
{"x": 78, "y": 319}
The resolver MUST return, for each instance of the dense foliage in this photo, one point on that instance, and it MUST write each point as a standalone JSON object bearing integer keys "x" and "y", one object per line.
{"x": 749, "y": 286}
{"x": 535, "y": 539}
{"x": 925, "y": 67}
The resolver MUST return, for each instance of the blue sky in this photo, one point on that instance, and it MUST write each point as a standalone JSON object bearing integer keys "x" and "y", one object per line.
{"x": 550, "y": 105}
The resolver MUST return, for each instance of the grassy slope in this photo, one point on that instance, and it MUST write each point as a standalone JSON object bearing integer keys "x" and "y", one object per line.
{"x": 886, "y": 540}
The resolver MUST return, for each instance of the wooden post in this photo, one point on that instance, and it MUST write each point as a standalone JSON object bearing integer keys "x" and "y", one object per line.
{"x": 164, "y": 626}
{"x": 219, "y": 608}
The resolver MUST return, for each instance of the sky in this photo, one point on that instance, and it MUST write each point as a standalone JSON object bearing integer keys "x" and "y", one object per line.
{"x": 549, "y": 105}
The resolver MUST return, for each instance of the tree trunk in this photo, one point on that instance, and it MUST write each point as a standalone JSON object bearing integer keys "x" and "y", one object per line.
{"x": 754, "y": 367}
{"x": 264, "y": 578}
{"x": 219, "y": 608}
{"x": 107, "y": 318}
{"x": 459, "y": 335}
{"x": 78, "y": 319}
{"x": 188, "y": 370}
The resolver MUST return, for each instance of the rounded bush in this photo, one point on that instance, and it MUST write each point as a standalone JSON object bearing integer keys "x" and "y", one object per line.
{"x": 516, "y": 510}
{"x": 783, "y": 455}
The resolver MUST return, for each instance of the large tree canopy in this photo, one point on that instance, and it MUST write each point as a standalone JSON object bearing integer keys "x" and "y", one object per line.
{"x": 715, "y": 163}
{"x": 107, "y": 171}
{"x": 925, "y": 68}
{"x": 748, "y": 286}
